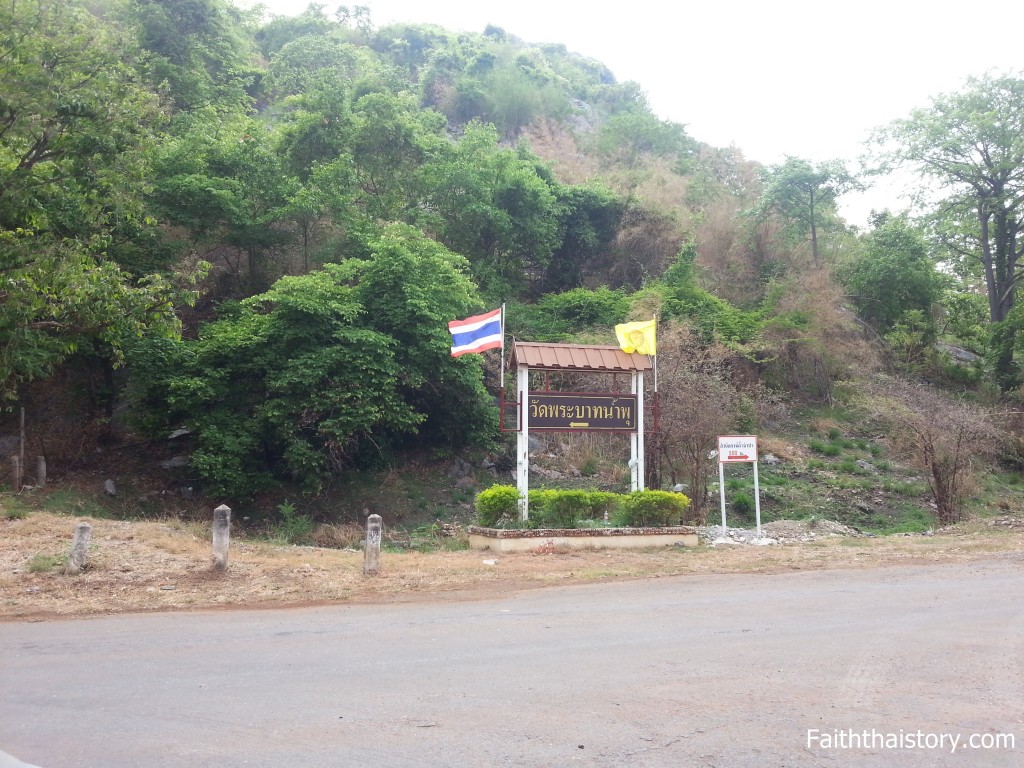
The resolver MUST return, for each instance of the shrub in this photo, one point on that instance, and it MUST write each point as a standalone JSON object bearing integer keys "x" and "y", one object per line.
{"x": 294, "y": 528}
{"x": 581, "y": 308}
{"x": 496, "y": 504}
{"x": 564, "y": 509}
{"x": 553, "y": 508}
{"x": 653, "y": 508}
{"x": 602, "y": 503}
{"x": 539, "y": 501}
{"x": 345, "y": 536}
{"x": 743, "y": 504}
{"x": 944, "y": 436}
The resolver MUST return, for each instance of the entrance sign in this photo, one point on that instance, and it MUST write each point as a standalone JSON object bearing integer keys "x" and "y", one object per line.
{"x": 738, "y": 449}
{"x": 557, "y": 411}
{"x": 735, "y": 448}
{"x": 574, "y": 412}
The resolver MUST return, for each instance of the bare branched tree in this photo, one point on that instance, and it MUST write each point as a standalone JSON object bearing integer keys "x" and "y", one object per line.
{"x": 701, "y": 394}
{"x": 942, "y": 435}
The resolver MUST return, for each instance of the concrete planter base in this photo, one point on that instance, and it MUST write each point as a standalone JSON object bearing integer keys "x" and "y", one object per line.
{"x": 503, "y": 540}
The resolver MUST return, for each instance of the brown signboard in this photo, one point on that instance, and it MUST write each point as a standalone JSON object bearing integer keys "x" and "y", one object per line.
{"x": 572, "y": 412}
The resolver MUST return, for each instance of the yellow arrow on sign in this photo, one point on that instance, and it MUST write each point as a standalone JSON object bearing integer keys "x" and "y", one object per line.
{"x": 579, "y": 423}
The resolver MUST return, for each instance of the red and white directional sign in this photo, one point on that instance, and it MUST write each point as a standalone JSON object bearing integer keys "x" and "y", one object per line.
{"x": 733, "y": 448}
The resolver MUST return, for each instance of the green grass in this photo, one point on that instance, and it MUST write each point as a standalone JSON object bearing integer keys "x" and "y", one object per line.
{"x": 461, "y": 496}
{"x": 41, "y": 563}
{"x": 773, "y": 479}
{"x": 904, "y": 488}
{"x": 452, "y": 544}
{"x": 14, "y": 509}
{"x": 851, "y": 467}
{"x": 906, "y": 519}
{"x": 826, "y": 449}
{"x": 742, "y": 504}
{"x": 77, "y": 503}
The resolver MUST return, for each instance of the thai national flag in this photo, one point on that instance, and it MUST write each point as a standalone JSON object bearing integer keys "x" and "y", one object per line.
{"x": 476, "y": 333}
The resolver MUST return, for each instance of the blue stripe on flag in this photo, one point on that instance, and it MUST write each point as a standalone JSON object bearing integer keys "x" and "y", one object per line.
{"x": 476, "y": 333}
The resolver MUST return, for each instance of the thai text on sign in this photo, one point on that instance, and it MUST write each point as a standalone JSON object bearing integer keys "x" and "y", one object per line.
{"x": 737, "y": 448}
{"x": 569, "y": 412}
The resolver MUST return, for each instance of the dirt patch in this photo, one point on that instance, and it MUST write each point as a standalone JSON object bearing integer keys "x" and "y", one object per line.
{"x": 161, "y": 566}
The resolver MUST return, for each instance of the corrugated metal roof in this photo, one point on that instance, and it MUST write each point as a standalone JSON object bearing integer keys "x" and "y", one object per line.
{"x": 576, "y": 357}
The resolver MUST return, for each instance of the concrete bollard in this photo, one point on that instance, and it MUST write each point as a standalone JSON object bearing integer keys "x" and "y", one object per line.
{"x": 79, "y": 549}
{"x": 221, "y": 536}
{"x": 371, "y": 551}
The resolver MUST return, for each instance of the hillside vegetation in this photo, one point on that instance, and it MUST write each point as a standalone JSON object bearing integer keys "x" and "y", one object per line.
{"x": 250, "y": 233}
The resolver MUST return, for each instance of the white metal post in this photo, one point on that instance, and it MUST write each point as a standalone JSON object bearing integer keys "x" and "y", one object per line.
{"x": 636, "y": 441}
{"x": 523, "y": 441}
{"x": 757, "y": 501}
{"x": 640, "y": 442}
{"x": 721, "y": 491}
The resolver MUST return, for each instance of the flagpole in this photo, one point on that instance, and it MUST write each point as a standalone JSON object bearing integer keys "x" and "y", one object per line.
{"x": 655, "y": 355}
{"x": 503, "y": 346}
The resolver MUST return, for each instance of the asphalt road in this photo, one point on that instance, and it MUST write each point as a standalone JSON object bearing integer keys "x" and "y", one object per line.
{"x": 844, "y": 668}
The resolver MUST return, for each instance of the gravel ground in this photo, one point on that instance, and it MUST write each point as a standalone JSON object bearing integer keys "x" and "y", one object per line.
{"x": 777, "y": 532}
{"x": 166, "y": 565}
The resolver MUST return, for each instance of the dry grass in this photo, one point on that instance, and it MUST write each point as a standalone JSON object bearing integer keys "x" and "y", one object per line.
{"x": 148, "y": 566}
{"x": 555, "y": 143}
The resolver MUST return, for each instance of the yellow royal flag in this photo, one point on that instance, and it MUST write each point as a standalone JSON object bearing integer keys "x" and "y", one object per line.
{"x": 637, "y": 337}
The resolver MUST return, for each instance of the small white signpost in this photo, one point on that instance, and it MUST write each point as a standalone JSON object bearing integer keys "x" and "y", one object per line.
{"x": 738, "y": 449}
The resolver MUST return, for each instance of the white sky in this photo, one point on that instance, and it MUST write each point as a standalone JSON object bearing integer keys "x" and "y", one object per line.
{"x": 809, "y": 78}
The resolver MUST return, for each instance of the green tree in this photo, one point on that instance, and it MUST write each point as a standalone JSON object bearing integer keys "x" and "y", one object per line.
{"x": 223, "y": 183}
{"x": 410, "y": 46}
{"x": 970, "y": 147}
{"x": 493, "y": 206}
{"x": 288, "y": 388}
{"x": 411, "y": 287}
{"x": 76, "y": 128}
{"x": 627, "y": 136}
{"x": 276, "y": 33}
{"x": 199, "y": 51}
{"x": 324, "y": 371}
{"x": 588, "y": 221}
{"x": 390, "y": 139}
{"x": 804, "y": 195}
{"x": 893, "y": 275}
{"x": 317, "y": 63}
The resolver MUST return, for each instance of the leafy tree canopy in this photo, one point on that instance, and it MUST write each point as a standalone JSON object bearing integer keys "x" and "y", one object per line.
{"x": 76, "y": 127}
{"x": 324, "y": 371}
{"x": 893, "y": 275}
{"x": 971, "y": 144}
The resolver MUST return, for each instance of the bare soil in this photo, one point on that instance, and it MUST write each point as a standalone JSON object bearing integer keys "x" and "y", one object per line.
{"x": 167, "y": 566}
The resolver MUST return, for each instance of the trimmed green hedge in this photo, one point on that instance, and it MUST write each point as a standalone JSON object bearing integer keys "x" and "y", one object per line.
{"x": 498, "y": 507}
{"x": 653, "y": 508}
